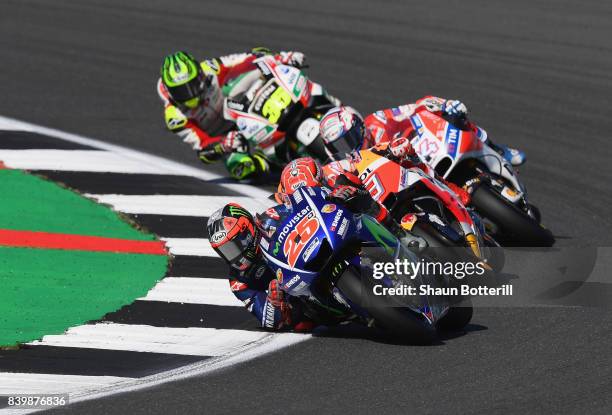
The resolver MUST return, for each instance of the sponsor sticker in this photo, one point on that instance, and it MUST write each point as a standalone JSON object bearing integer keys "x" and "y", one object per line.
{"x": 328, "y": 208}
{"x": 235, "y": 106}
{"x": 218, "y": 237}
{"x": 343, "y": 228}
{"x": 292, "y": 281}
{"x": 309, "y": 250}
{"x": 408, "y": 221}
{"x": 263, "y": 96}
{"x": 336, "y": 220}
{"x": 273, "y": 214}
{"x": 298, "y": 197}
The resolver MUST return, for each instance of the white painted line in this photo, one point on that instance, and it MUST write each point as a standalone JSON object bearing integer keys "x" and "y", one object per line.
{"x": 215, "y": 291}
{"x": 191, "y": 341}
{"x": 177, "y": 204}
{"x": 163, "y": 165}
{"x": 270, "y": 342}
{"x": 73, "y": 160}
{"x": 189, "y": 246}
{"x": 24, "y": 383}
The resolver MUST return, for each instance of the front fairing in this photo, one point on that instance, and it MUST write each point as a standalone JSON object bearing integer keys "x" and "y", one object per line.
{"x": 311, "y": 233}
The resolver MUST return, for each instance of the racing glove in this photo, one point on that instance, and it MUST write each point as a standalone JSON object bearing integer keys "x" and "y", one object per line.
{"x": 359, "y": 201}
{"x": 262, "y": 50}
{"x": 454, "y": 107}
{"x": 279, "y": 300}
{"x": 296, "y": 59}
{"x": 292, "y": 58}
{"x": 234, "y": 142}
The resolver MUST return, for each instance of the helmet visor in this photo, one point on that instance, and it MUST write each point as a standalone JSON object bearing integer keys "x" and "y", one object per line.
{"x": 231, "y": 247}
{"x": 345, "y": 144}
{"x": 188, "y": 94}
{"x": 232, "y": 250}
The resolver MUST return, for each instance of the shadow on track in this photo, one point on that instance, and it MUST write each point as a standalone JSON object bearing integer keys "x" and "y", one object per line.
{"x": 357, "y": 331}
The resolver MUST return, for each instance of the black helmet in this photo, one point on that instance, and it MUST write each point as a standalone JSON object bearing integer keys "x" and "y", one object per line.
{"x": 233, "y": 235}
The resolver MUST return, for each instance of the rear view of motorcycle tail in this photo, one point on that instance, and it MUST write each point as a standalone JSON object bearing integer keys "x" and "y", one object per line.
{"x": 454, "y": 147}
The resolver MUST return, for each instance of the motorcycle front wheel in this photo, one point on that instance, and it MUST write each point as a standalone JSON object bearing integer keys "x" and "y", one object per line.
{"x": 399, "y": 321}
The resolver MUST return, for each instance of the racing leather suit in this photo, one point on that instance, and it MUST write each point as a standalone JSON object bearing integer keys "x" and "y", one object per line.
{"x": 384, "y": 125}
{"x": 204, "y": 127}
{"x": 252, "y": 285}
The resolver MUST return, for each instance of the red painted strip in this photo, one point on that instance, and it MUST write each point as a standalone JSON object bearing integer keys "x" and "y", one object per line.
{"x": 29, "y": 239}
{"x": 2, "y": 165}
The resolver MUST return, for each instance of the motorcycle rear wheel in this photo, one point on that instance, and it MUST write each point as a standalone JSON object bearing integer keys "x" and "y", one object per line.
{"x": 517, "y": 227}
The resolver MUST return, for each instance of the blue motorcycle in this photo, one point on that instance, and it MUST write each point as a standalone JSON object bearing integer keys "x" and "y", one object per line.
{"x": 329, "y": 258}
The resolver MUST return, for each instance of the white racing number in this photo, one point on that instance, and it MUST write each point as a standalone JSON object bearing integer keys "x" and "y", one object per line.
{"x": 374, "y": 186}
{"x": 427, "y": 146}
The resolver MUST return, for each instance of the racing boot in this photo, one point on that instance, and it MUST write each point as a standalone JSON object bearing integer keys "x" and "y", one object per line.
{"x": 243, "y": 166}
{"x": 514, "y": 156}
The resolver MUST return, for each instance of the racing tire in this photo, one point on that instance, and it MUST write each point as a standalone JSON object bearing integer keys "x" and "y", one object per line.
{"x": 398, "y": 321}
{"x": 436, "y": 240}
{"x": 457, "y": 317}
{"x": 517, "y": 227}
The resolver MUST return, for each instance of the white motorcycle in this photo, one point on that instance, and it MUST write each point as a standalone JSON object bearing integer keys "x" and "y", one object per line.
{"x": 279, "y": 113}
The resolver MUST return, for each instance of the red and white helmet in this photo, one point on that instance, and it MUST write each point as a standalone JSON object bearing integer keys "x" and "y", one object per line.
{"x": 343, "y": 131}
{"x": 301, "y": 172}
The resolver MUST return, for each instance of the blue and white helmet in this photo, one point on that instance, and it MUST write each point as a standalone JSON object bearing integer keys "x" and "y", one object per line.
{"x": 343, "y": 131}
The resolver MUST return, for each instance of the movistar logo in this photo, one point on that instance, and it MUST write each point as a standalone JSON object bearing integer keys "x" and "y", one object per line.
{"x": 276, "y": 248}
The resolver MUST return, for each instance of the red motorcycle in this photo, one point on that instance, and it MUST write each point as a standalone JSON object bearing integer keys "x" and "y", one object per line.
{"x": 453, "y": 147}
{"x": 426, "y": 207}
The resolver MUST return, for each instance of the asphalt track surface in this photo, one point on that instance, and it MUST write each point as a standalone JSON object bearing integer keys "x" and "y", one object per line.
{"x": 536, "y": 74}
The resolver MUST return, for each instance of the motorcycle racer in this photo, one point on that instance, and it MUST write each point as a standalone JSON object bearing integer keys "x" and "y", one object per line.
{"x": 235, "y": 235}
{"x": 345, "y": 189}
{"x": 384, "y": 125}
{"x": 344, "y": 133}
{"x": 193, "y": 94}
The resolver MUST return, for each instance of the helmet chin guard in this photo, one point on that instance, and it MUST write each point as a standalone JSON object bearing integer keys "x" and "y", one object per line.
{"x": 232, "y": 234}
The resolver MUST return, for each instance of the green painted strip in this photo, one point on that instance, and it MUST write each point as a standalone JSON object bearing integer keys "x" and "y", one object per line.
{"x": 47, "y": 291}
{"x": 31, "y": 203}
